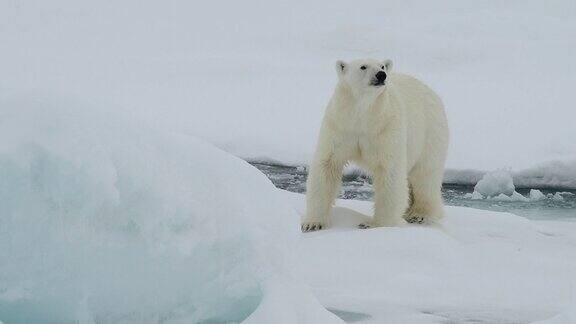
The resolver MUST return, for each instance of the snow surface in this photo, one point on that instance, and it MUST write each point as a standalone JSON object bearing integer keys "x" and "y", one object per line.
{"x": 476, "y": 267}
{"x": 568, "y": 316}
{"x": 113, "y": 222}
{"x": 254, "y": 77}
{"x": 107, "y": 221}
{"x": 100, "y": 222}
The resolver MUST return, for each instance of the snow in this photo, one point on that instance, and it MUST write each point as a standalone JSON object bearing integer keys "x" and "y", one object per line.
{"x": 477, "y": 266}
{"x": 495, "y": 183}
{"x": 568, "y": 316}
{"x": 553, "y": 174}
{"x": 288, "y": 304}
{"x": 113, "y": 211}
{"x": 113, "y": 220}
{"x": 463, "y": 177}
{"x": 254, "y": 77}
{"x": 107, "y": 221}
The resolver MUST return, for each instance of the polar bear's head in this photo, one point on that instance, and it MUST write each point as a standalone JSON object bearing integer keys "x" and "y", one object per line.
{"x": 364, "y": 76}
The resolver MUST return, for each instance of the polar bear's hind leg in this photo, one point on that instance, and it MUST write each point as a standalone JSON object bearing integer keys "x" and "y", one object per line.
{"x": 426, "y": 204}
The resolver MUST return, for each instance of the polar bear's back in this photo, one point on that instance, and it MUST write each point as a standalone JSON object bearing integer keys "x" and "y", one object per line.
{"x": 427, "y": 127}
{"x": 415, "y": 94}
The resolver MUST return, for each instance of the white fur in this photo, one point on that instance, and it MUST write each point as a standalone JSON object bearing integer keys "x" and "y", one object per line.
{"x": 397, "y": 131}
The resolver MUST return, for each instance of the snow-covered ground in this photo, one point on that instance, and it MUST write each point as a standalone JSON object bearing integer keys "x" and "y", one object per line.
{"x": 253, "y": 77}
{"x": 107, "y": 221}
{"x": 476, "y": 267}
{"x": 116, "y": 222}
{"x": 112, "y": 211}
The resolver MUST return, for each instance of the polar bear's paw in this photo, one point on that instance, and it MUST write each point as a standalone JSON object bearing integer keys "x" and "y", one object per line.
{"x": 415, "y": 219}
{"x": 382, "y": 223}
{"x": 365, "y": 226}
{"x": 312, "y": 226}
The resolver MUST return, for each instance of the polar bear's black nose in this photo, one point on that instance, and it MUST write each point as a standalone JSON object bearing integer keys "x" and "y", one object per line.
{"x": 381, "y": 76}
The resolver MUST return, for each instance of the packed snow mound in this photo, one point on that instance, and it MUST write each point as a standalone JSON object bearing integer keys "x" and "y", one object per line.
{"x": 495, "y": 183}
{"x": 475, "y": 266}
{"x": 106, "y": 220}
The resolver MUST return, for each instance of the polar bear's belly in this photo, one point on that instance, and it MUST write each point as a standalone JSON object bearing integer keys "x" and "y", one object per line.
{"x": 361, "y": 149}
{"x": 365, "y": 151}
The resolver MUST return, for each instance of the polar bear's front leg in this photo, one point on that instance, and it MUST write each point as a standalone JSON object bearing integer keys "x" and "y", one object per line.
{"x": 391, "y": 196}
{"x": 322, "y": 186}
{"x": 390, "y": 183}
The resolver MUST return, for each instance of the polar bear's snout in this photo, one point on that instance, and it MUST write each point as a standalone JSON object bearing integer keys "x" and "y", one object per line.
{"x": 380, "y": 77}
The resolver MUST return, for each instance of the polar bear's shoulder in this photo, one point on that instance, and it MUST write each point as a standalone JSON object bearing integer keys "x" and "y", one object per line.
{"x": 412, "y": 87}
{"x": 401, "y": 79}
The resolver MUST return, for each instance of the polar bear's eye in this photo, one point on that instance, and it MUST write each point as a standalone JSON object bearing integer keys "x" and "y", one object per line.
{"x": 383, "y": 67}
{"x": 363, "y": 67}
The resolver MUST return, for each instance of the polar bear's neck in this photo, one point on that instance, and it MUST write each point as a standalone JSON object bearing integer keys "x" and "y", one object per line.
{"x": 360, "y": 101}
{"x": 365, "y": 101}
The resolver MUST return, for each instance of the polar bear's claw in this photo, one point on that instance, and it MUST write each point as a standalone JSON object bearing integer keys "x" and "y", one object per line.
{"x": 364, "y": 226}
{"x": 311, "y": 226}
{"x": 415, "y": 219}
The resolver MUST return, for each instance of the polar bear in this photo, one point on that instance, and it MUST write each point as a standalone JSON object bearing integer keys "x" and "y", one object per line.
{"x": 391, "y": 125}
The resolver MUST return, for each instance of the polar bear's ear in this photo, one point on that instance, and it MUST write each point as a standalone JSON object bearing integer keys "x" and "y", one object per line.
{"x": 341, "y": 67}
{"x": 387, "y": 65}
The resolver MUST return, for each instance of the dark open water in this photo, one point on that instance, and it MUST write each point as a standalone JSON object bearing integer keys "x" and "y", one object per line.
{"x": 357, "y": 186}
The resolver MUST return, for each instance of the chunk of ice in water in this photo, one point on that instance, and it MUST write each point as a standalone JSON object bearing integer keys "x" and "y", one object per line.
{"x": 536, "y": 194}
{"x": 557, "y": 197}
{"x": 495, "y": 183}
{"x": 474, "y": 196}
